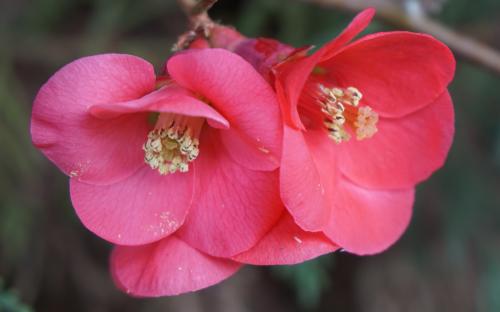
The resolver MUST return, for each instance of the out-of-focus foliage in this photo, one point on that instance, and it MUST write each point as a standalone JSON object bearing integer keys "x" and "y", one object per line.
{"x": 449, "y": 260}
{"x": 9, "y": 302}
{"x": 309, "y": 279}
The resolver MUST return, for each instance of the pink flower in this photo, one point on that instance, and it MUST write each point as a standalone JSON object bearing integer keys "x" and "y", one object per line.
{"x": 364, "y": 123}
{"x": 179, "y": 171}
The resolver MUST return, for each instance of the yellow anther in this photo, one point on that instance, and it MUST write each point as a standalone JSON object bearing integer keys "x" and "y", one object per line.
{"x": 341, "y": 108}
{"x": 171, "y": 149}
{"x": 366, "y": 123}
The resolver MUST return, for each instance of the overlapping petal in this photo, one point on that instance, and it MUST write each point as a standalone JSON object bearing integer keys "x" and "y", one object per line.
{"x": 235, "y": 206}
{"x": 290, "y": 79}
{"x": 240, "y": 94}
{"x": 397, "y": 72}
{"x": 404, "y": 151}
{"x": 165, "y": 268}
{"x": 79, "y": 144}
{"x": 287, "y": 244}
{"x": 308, "y": 175}
{"x": 263, "y": 54}
{"x": 225, "y": 37}
{"x": 169, "y": 99}
{"x": 141, "y": 209}
{"x": 365, "y": 221}
{"x": 356, "y": 26}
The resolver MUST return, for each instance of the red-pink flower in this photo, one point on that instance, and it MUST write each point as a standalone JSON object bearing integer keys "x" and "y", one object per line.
{"x": 178, "y": 170}
{"x": 364, "y": 123}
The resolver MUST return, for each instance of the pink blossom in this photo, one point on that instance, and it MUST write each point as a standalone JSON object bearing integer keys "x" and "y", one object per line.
{"x": 179, "y": 171}
{"x": 365, "y": 122}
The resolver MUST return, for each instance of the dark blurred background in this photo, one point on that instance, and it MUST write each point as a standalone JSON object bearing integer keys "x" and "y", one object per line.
{"x": 448, "y": 260}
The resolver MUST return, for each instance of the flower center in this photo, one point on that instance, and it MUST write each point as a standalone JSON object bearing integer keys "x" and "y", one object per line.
{"x": 341, "y": 109}
{"x": 173, "y": 143}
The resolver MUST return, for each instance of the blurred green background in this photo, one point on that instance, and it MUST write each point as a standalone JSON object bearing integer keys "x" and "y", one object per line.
{"x": 448, "y": 260}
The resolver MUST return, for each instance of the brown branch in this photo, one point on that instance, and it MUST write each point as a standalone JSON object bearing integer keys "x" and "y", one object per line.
{"x": 201, "y": 24}
{"x": 202, "y": 6}
{"x": 417, "y": 21}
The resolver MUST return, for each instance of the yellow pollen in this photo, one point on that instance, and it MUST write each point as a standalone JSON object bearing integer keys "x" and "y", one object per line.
{"x": 341, "y": 108}
{"x": 171, "y": 149}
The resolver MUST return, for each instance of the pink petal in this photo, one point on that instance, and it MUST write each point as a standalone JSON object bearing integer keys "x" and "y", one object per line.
{"x": 307, "y": 177}
{"x": 286, "y": 243}
{"x": 79, "y": 144}
{"x": 290, "y": 79}
{"x": 404, "y": 151}
{"x": 166, "y": 268}
{"x": 240, "y": 94}
{"x": 245, "y": 152}
{"x": 235, "y": 207}
{"x": 367, "y": 221}
{"x": 169, "y": 99}
{"x": 263, "y": 54}
{"x": 397, "y": 72}
{"x": 357, "y": 25}
{"x": 140, "y": 209}
{"x": 225, "y": 37}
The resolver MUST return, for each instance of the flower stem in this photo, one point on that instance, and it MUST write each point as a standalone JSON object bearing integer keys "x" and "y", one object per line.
{"x": 201, "y": 24}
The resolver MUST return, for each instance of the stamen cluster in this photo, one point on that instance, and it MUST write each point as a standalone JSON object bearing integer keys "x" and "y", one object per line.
{"x": 171, "y": 150}
{"x": 341, "y": 107}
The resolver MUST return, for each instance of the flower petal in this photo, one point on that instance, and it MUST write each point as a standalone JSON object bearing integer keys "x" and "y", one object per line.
{"x": 235, "y": 207}
{"x": 166, "y": 268}
{"x": 404, "y": 151}
{"x": 245, "y": 152}
{"x": 287, "y": 243}
{"x": 357, "y": 25}
{"x": 397, "y": 72}
{"x": 307, "y": 177}
{"x": 169, "y": 99}
{"x": 290, "y": 79}
{"x": 79, "y": 144}
{"x": 263, "y": 54}
{"x": 240, "y": 94}
{"x": 140, "y": 209}
{"x": 225, "y": 37}
{"x": 366, "y": 221}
